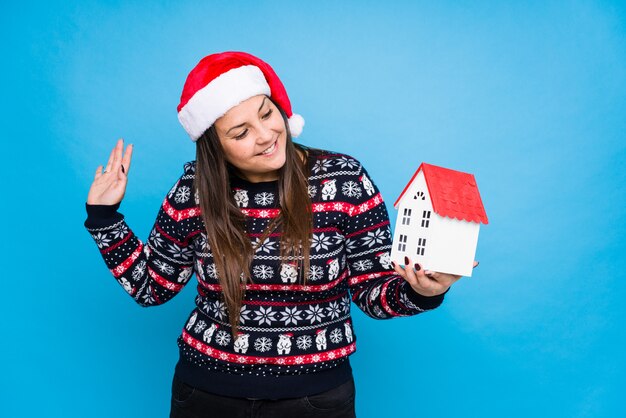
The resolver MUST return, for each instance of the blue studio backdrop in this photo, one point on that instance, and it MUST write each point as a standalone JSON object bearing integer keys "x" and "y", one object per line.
{"x": 530, "y": 97}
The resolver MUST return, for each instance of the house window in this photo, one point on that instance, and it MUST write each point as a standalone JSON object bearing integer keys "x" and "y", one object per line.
{"x": 421, "y": 245}
{"x": 402, "y": 243}
{"x": 419, "y": 195}
{"x": 406, "y": 218}
{"x": 425, "y": 218}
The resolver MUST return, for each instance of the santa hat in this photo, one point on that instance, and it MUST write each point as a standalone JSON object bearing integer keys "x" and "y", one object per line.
{"x": 223, "y": 80}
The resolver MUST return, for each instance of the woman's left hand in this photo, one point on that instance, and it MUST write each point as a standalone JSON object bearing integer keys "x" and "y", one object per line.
{"x": 426, "y": 283}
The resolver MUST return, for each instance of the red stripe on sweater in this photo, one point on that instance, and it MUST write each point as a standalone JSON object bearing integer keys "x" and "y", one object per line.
{"x": 281, "y": 360}
{"x": 369, "y": 228}
{"x": 124, "y": 265}
{"x": 171, "y": 238}
{"x": 260, "y": 213}
{"x": 356, "y": 294}
{"x": 174, "y": 287}
{"x": 383, "y": 301}
{"x": 348, "y": 208}
{"x": 179, "y": 215}
{"x": 364, "y": 277}
{"x": 370, "y": 204}
{"x": 117, "y": 244}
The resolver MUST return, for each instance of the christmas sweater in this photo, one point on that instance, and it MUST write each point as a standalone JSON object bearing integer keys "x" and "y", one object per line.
{"x": 294, "y": 339}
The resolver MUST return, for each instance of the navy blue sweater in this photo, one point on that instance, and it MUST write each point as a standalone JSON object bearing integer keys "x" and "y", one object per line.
{"x": 294, "y": 339}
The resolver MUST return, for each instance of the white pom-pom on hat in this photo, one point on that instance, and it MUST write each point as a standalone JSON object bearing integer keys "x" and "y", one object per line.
{"x": 296, "y": 123}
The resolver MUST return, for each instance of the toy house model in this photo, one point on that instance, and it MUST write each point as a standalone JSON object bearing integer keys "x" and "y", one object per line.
{"x": 439, "y": 216}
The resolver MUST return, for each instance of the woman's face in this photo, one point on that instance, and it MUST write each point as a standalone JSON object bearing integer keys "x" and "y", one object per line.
{"x": 253, "y": 136}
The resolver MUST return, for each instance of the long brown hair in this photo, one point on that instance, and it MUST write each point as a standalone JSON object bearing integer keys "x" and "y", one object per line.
{"x": 224, "y": 222}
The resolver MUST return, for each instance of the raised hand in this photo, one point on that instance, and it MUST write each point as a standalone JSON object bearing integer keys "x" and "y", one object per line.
{"x": 109, "y": 186}
{"x": 426, "y": 283}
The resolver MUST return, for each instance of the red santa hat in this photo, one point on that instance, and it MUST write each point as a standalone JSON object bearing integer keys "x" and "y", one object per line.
{"x": 223, "y": 80}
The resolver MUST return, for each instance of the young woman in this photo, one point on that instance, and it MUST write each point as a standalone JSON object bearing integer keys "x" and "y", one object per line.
{"x": 281, "y": 237}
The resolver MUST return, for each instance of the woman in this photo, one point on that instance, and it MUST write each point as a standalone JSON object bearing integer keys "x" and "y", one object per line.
{"x": 271, "y": 332}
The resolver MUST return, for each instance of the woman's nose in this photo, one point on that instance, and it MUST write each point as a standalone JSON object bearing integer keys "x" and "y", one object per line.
{"x": 265, "y": 134}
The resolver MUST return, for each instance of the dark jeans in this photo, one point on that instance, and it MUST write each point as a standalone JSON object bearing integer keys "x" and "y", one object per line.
{"x": 190, "y": 402}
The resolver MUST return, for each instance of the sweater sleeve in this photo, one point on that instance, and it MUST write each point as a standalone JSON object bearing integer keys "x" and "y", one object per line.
{"x": 155, "y": 271}
{"x": 376, "y": 288}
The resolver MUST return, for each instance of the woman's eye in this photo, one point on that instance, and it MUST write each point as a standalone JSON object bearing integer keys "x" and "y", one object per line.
{"x": 243, "y": 134}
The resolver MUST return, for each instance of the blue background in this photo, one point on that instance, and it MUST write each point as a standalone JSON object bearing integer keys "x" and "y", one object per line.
{"x": 531, "y": 98}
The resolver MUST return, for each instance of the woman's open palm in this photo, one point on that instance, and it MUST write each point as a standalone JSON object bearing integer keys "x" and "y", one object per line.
{"x": 109, "y": 186}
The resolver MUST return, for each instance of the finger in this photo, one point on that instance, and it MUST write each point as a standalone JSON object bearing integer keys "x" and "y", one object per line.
{"x": 127, "y": 156}
{"x": 410, "y": 272}
{"x": 398, "y": 269}
{"x": 98, "y": 172}
{"x": 117, "y": 160}
{"x": 475, "y": 264}
{"x": 433, "y": 275}
{"x": 121, "y": 172}
{"x": 420, "y": 282}
{"x": 109, "y": 165}
{"x": 443, "y": 278}
{"x": 422, "y": 279}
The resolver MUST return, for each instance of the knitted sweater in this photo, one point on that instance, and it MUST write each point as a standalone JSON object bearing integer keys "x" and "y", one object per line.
{"x": 293, "y": 339}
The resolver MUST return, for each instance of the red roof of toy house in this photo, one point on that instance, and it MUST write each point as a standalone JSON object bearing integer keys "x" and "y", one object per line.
{"x": 454, "y": 194}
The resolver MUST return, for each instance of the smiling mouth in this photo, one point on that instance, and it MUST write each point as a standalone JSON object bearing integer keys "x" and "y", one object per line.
{"x": 270, "y": 149}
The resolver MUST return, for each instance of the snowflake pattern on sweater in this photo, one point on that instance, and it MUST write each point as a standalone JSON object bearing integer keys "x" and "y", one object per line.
{"x": 286, "y": 327}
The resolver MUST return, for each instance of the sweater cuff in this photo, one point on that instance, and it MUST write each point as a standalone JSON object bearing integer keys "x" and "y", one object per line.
{"x": 99, "y": 216}
{"x": 424, "y": 302}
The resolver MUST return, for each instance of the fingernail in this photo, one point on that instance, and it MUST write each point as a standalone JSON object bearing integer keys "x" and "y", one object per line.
{"x": 417, "y": 267}
{"x": 406, "y": 260}
{"x": 393, "y": 263}
{"x": 123, "y": 171}
{"x": 477, "y": 263}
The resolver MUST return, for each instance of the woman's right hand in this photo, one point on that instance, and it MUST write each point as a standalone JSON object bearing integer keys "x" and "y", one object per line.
{"x": 108, "y": 187}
